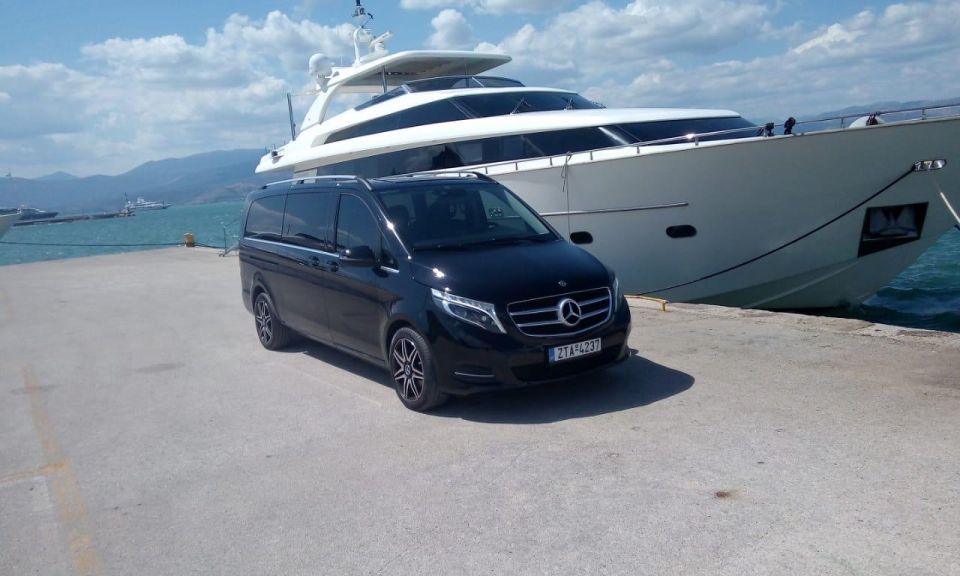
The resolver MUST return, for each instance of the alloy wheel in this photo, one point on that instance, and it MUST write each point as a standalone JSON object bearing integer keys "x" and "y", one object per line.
{"x": 264, "y": 321}
{"x": 408, "y": 369}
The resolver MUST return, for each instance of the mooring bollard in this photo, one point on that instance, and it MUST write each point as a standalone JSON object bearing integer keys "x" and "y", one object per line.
{"x": 188, "y": 240}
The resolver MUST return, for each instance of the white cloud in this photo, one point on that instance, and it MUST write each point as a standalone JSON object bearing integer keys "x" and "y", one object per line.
{"x": 135, "y": 99}
{"x": 898, "y": 54}
{"x": 652, "y": 53}
{"x": 451, "y": 31}
{"x": 596, "y": 40}
{"x": 488, "y": 6}
{"x": 143, "y": 98}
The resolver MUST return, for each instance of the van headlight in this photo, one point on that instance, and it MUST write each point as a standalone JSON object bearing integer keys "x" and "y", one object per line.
{"x": 617, "y": 294}
{"x": 482, "y": 314}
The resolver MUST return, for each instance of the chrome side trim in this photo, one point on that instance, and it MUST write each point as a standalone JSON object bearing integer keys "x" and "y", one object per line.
{"x": 610, "y": 210}
{"x": 287, "y": 245}
{"x": 313, "y": 250}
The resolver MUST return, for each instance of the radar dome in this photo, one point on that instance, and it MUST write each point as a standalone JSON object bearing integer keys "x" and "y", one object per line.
{"x": 320, "y": 66}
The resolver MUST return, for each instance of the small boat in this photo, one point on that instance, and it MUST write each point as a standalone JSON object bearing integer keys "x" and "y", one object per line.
{"x": 7, "y": 221}
{"x": 142, "y": 204}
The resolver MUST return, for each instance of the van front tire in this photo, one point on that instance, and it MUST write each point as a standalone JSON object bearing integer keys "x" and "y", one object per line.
{"x": 412, "y": 371}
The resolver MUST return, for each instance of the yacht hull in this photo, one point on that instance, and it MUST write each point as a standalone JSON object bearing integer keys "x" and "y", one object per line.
{"x": 778, "y": 220}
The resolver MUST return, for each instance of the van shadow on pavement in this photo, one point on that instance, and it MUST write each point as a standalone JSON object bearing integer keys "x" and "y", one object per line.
{"x": 635, "y": 382}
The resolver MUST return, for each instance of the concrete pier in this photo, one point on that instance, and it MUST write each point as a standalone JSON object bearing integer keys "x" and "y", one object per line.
{"x": 143, "y": 430}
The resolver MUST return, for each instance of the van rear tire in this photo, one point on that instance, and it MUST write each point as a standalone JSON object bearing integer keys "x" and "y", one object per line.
{"x": 273, "y": 335}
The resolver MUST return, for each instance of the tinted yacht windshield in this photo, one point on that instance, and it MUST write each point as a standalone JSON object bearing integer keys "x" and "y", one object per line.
{"x": 444, "y": 217}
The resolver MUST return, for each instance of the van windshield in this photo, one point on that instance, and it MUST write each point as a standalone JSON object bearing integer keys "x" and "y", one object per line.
{"x": 461, "y": 216}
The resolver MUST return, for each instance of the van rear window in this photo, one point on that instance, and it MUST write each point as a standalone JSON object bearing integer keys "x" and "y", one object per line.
{"x": 265, "y": 218}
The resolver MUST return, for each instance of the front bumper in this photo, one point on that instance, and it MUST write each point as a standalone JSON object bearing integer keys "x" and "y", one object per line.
{"x": 468, "y": 359}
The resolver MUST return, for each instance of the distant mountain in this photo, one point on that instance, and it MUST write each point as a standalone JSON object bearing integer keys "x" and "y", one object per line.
{"x": 207, "y": 177}
{"x": 56, "y": 177}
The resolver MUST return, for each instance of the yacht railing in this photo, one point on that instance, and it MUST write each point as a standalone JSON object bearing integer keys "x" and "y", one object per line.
{"x": 766, "y": 130}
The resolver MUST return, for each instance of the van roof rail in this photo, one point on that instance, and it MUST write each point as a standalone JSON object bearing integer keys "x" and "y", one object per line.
{"x": 447, "y": 174}
{"x": 303, "y": 179}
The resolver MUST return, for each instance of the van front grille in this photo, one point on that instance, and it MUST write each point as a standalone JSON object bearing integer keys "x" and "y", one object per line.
{"x": 563, "y": 314}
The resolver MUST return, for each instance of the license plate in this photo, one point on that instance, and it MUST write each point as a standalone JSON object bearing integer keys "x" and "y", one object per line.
{"x": 575, "y": 350}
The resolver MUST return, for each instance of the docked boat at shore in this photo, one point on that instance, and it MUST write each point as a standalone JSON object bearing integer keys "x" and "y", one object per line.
{"x": 27, "y": 213}
{"x": 687, "y": 205}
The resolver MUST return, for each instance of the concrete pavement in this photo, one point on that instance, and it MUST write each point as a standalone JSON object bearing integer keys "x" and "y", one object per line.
{"x": 143, "y": 430}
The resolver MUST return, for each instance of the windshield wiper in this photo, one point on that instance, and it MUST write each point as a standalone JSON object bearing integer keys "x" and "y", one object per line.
{"x": 508, "y": 240}
{"x": 440, "y": 247}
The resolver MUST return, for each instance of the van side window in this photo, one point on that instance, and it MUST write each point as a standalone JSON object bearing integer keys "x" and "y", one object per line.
{"x": 309, "y": 219}
{"x": 264, "y": 218}
{"x": 357, "y": 227}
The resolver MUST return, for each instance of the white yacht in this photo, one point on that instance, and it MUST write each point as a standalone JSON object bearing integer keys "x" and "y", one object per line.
{"x": 686, "y": 205}
{"x": 142, "y": 204}
{"x": 7, "y": 221}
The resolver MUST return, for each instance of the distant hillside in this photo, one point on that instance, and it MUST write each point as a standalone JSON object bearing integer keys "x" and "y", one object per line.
{"x": 206, "y": 177}
{"x": 56, "y": 176}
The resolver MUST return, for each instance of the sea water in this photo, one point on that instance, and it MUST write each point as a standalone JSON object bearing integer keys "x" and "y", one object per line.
{"x": 210, "y": 224}
{"x": 925, "y": 295}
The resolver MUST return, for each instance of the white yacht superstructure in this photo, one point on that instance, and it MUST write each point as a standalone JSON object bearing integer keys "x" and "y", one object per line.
{"x": 687, "y": 205}
{"x": 142, "y": 204}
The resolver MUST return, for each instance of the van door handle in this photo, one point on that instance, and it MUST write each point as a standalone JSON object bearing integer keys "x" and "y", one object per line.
{"x": 333, "y": 265}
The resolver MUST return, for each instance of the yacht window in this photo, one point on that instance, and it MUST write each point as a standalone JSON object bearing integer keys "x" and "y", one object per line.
{"x": 433, "y": 113}
{"x": 458, "y": 82}
{"x": 480, "y": 151}
{"x": 474, "y": 106}
{"x": 486, "y": 105}
{"x": 649, "y": 131}
{"x": 383, "y": 97}
{"x": 308, "y": 220}
{"x": 442, "y": 83}
{"x": 577, "y": 140}
{"x": 265, "y": 218}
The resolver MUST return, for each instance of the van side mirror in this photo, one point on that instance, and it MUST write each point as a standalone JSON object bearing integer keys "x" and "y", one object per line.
{"x": 359, "y": 256}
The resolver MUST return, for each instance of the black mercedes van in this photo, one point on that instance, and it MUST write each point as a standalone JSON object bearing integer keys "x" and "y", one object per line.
{"x": 451, "y": 282}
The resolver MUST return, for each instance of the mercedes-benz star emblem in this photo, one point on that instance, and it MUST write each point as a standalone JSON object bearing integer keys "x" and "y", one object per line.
{"x": 562, "y": 283}
{"x": 568, "y": 311}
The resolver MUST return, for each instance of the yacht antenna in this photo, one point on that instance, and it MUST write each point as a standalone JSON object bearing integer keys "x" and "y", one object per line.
{"x": 361, "y": 17}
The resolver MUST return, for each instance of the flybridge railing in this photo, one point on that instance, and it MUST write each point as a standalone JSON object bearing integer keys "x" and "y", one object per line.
{"x": 767, "y": 130}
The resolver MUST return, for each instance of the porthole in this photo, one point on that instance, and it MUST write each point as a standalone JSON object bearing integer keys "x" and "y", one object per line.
{"x": 681, "y": 231}
{"x": 581, "y": 237}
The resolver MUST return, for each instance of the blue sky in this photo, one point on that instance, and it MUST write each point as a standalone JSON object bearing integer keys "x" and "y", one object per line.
{"x": 99, "y": 87}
